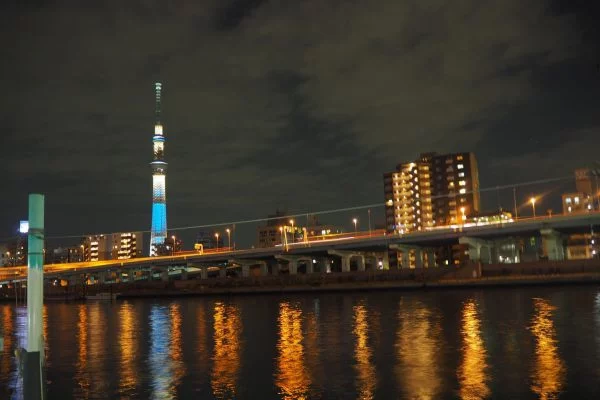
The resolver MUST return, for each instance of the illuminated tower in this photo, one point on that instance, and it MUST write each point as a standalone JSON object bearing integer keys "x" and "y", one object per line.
{"x": 158, "y": 230}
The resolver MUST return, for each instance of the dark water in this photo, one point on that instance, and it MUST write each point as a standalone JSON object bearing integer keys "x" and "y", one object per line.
{"x": 499, "y": 343}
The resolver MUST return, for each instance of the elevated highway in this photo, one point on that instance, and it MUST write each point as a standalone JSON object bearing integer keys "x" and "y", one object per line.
{"x": 374, "y": 241}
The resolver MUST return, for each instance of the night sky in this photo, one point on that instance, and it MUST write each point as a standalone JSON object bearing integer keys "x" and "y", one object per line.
{"x": 291, "y": 104}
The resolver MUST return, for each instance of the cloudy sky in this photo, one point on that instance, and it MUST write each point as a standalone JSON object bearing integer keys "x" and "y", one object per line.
{"x": 283, "y": 103}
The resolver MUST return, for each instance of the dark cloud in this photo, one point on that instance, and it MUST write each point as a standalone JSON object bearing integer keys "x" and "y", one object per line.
{"x": 233, "y": 12}
{"x": 297, "y": 104}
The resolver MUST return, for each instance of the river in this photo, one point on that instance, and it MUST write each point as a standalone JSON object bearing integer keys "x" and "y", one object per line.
{"x": 527, "y": 342}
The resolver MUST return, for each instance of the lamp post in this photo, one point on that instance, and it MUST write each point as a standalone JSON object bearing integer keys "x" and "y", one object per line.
{"x": 463, "y": 216}
{"x": 292, "y": 230}
{"x": 217, "y": 236}
{"x": 355, "y": 222}
{"x": 532, "y": 201}
{"x": 228, "y": 238}
{"x": 173, "y": 252}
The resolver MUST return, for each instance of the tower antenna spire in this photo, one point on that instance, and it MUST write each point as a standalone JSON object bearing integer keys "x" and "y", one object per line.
{"x": 157, "y": 93}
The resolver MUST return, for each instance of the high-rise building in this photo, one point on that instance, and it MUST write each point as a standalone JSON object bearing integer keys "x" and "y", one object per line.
{"x": 158, "y": 229}
{"x": 435, "y": 190}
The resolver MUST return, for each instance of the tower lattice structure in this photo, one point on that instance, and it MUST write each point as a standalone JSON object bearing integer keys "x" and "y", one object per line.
{"x": 158, "y": 229}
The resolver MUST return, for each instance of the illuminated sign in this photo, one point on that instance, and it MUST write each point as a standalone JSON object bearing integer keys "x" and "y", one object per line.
{"x": 24, "y": 226}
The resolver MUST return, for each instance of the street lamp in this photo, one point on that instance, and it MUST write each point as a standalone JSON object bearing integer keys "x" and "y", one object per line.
{"x": 355, "y": 222}
{"x": 292, "y": 230}
{"x": 228, "y": 237}
{"x": 173, "y": 237}
{"x": 532, "y": 201}
{"x": 217, "y": 236}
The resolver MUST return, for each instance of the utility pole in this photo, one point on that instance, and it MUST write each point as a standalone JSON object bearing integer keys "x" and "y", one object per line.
{"x": 515, "y": 202}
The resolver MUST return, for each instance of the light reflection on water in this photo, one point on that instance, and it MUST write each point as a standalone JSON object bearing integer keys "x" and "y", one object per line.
{"x": 97, "y": 344}
{"x": 360, "y": 346}
{"x": 473, "y": 370}
{"x": 166, "y": 366}
{"x": 549, "y": 370}
{"x": 292, "y": 377}
{"x": 417, "y": 344}
{"x": 81, "y": 375}
{"x": 365, "y": 370}
{"x": 128, "y": 348}
{"x": 227, "y": 350}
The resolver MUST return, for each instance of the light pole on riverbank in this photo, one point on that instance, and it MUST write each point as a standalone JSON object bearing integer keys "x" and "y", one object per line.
{"x": 532, "y": 201}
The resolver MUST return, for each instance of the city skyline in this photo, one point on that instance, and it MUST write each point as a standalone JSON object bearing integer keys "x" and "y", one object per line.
{"x": 251, "y": 131}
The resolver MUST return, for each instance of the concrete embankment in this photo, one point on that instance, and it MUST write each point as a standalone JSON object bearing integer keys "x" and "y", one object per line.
{"x": 199, "y": 290}
{"x": 470, "y": 275}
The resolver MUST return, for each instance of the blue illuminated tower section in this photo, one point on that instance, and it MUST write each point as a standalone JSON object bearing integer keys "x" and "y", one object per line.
{"x": 158, "y": 230}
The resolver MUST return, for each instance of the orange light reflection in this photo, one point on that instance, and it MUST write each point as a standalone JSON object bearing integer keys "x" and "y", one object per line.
{"x": 367, "y": 378}
{"x": 472, "y": 373}
{"x": 292, "y": 376}
{"x": 418, "y": 344}
{"x": 128, "y": 346}
{"x": 226, "y": 358}
{"x": 549, "y": 370}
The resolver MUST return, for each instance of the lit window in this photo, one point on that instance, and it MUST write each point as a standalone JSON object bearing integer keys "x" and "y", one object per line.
{"x": 569, "y": 209}
{"x": 568, "y": 200}
{"x": 576, "y": 200}
{"x": 460, "y": 166}
{"x": 459, "y": 158}
{"x": 451, "y": 184}
{"x": 462, "y": 191}
{"x": 462, "y": 183}
{"x": 461, "y": 174}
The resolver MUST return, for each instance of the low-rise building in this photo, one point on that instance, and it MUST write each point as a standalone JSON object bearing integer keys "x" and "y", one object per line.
{"x": 113, "y": 246}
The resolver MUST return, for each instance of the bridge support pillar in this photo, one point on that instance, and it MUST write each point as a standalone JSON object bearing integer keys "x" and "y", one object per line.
{"x": 247, "y": 264}
{"x": 245, "y": 270}
{"x": 405, "y": 255}
{"x": 310, "y": 266}
{"x": 184, "y": 274}
{"x": 324, "y": 265}
{"x": 553, "y": 244}
{"x": 385, "y": 260}
{"x": 360, "y": 266}
{"x": 293, "y": 262}
{"x": 346, "y": 256}
{"x": 164, "y": 275}
{"x": 418, "y": 258}
{"x": 479, "y": 249}
{"x": 223, "y": 272}
{"x": 293, "y": 267}
{"x": 430, "y": 256}
{"x": 203, "y": 272}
